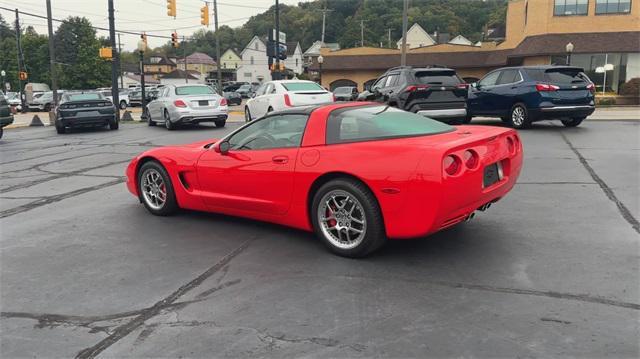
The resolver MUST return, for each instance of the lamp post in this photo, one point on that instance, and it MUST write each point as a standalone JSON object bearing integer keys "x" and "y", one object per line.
{"x": 4, "y": 85}
{"x": 569, "y": 49}
{"x": 320, "y": 61}
{"x": 143, "y": 100}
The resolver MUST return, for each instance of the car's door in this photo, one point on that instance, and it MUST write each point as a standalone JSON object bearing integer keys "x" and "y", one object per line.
{"x": 256, "y": 175}
{"x": 253, "y": 103}
{"x": 480, "y": 99}
{"x": 390, "y": 87}
{"x": 262, "y": 102}
{"x": 156, "y": 107}
{"x": 271, "y": 99}
{"x": 505, "y": 91}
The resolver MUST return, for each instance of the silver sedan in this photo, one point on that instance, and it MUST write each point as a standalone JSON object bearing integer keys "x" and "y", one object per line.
{"x": 187, "y": 104}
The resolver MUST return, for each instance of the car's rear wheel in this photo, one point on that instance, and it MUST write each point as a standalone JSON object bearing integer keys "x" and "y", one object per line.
{"x": 347, "y": 217}
{"x": 573, "y": 122}
{"x": 123, "y": 105}
{"x": 1, "y": 132}
{"x": 270, "y": 109}
{"x": 220, "y": 123}
{"x": 247, "y": 114}
{"x": 60, "y": 129}
{"x": 167, "y": 121}
{"x": 113, "y": 124}
{"x": 147, "y": 115}
{"x": 155, "y": 189}
{"x": 519, "y": 117}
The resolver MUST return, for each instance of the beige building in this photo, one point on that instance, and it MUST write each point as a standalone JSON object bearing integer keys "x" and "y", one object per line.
{"x": 230, "y": 60}
{"x": 537, "y": 32}
{"x": 159, "y": 65}
{"x": 199, "y": 62}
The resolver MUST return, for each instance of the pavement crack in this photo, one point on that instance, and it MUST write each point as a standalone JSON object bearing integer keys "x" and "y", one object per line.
{"x": 624, "y": 211}
{"x": 124, "y": 330}
{"x": 555, "y": 320}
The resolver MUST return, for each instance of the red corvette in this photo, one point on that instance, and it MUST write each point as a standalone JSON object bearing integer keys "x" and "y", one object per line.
{"x": 355, "y": 173}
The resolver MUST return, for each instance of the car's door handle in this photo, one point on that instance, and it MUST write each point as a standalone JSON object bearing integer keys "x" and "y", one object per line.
{"x": 280, "y": 159}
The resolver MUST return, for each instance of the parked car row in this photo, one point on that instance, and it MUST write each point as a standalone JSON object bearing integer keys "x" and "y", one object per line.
{"x": 518, "y": 95}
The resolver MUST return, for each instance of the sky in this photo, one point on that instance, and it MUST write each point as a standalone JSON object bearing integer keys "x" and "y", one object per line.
{"x": 139, "y": 15}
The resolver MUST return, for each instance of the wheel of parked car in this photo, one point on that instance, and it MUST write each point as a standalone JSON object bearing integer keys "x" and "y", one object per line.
{"x": 247, "y": 114}
{"x": 155, "y": 189}
{"x": 167, "y": 121}
{"x": 346, "y": 215}
{"x": 573, "y": 122}
{"x": 220, "y": 123}
{"x": 123, "y": 105}
{"x": 60, "y": 129}
{"x": 114, "y": 124}
{"x": 1, "y": 132}
{"x": 270, "y": 109}
{"x": 467, "y": 120}
{"x": 519, "y": 116}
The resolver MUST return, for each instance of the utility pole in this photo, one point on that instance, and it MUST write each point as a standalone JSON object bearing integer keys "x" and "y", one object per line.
{"x": 215, "y": 24}
{"x": 324, "y": 16}
{"x": 19, "y": 52}
{"x": 120, "y": 63}
{"x": 389, "y": 38}
{"x": 362, "y": 33}
{"x": 277, "y": 41}
{"x": 403, "y": 57}
{"x": 52, "y": 62}
{"x": 184, "y": 53}
{"x": 115, "y": 62}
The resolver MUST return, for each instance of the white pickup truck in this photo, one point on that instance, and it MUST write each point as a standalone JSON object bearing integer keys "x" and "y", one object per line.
{"x": 123, "y": 97}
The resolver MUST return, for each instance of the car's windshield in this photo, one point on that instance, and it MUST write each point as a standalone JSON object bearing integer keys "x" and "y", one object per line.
{"x": 302, "y": 86}
{"x": 379, "y": 122}
{"x": 343, "y": 90}
{"x": 84, "y": 96}
{"x": 244, "y": 87}
{"x": 194, "y": 90}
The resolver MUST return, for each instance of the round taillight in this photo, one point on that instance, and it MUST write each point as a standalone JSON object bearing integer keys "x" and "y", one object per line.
{"x": 470, "y": 159}
{"x": 451, "y": 164}
{"x": 511, "y": 145}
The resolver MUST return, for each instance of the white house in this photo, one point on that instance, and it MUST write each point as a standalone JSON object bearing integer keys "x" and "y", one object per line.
{"x": 294, "y": 57}
{"x": 129, "y": 80}
{"x": 460, "y": 40}
{"x": 314, "y": 50}
{"x": 255, "y": 67}
{"x": 177, "y": 77}
{"x": 417, "y": 37}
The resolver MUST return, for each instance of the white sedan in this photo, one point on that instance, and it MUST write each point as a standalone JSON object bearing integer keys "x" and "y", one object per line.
{"x": 278, "y": 95}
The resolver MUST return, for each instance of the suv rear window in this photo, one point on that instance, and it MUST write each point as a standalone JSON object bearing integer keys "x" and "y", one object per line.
{"x": 445, "y": 78}
{"x": 565, "y": 76}
{"x": 302, "y": 86}
{"x": 377, "y": 123}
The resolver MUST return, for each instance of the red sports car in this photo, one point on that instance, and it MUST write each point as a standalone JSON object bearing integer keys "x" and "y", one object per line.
{"x": 354, "y": 173}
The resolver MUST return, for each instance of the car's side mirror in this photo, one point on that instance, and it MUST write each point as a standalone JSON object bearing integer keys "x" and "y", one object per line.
{"x": 475, "y": 85}
{"x": 223, "y": 147}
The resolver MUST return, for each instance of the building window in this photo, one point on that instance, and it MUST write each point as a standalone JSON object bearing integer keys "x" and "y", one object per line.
{"x": 251, "y": 60}
{"x": 296, "y": 62}
{"x": 613, "y": 6}
{"x": 256, "y": 46}
{"x": 571, "y": 7}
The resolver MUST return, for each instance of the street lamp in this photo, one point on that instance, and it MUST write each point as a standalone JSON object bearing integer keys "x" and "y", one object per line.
{"x": 4, "y": 85}
{"x": 141, "y": 47}
{"x": 569, "y": 49}
{"x": 320, "y": 61}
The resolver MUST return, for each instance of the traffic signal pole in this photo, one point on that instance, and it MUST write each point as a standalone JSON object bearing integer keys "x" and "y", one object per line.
{"x": 115, "y": 63}
{"x": 52, "y": 62}
{"x": 215, "y": 23}
{"x": 19, "y": 52}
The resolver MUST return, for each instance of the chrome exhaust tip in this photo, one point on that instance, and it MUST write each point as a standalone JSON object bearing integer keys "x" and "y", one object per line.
{"x": 470, "y": 217}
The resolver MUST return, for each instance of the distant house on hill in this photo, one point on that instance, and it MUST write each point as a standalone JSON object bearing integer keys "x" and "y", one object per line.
{"x": 198, "y": 61}
{"x": 460, "y": 40}
{"x": 417, "y": 37}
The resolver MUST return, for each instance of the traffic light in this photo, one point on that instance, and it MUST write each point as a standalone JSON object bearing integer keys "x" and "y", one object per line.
{"x": 143, "y": 36}
{"x": 204, "y": 15}
{"x": 174, "y": 39}
{"x": 171, "y": 8}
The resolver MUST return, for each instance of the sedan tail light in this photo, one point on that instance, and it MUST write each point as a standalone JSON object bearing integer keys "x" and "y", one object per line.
{"x": 287, "y": 100}
{"x": 591, "y": 87}
{"x": 223, "y": 102}
{"x": 333, "y": 96}
{"x": 179, "y": 103}
{"x": 546, "y": 87}
{"x": 451, "y": 164}
{"x": 414, "y": 88}
{"x": 463, "y": 85}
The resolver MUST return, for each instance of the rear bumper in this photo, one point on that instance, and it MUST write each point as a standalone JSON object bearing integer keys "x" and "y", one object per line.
{"x": 562, "y": 111}
{"x": 449, "y": 113}
{"x": 185, "y": 116}
{"x": 81, "y": 121}
{"x": 197, "y": 119}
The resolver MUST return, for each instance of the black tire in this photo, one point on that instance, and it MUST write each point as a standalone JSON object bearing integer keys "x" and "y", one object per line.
{"x": 170, "y": 205}
{"x": 270, "y": 109}
{"x": 1, "y": 132}
{"x": 374, "y": 233}
{"x": 573, "y": 122}
{"x": 519, "y": 116}
{"x": 60, "y": 129}
{"x": 123, "y": 105}
{"x": 167, "y": 121}
{"x": 467, "y": 120}
{"x": 114, "y": 124}
{"x": 247, "y": 114}
{"x": 220, "y": 123}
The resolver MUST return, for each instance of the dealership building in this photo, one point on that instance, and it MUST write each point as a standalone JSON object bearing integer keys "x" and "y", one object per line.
{"x": 601, "y": 35}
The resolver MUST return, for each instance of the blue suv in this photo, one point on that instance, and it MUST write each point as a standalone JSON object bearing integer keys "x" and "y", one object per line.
{"x": 522, "y": 95}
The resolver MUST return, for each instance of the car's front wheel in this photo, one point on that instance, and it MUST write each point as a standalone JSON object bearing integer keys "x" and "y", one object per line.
{"x": 519, "y": 117}
{"x": 346, "y": 216}
{"x": 573, "y": 122}
{"x": 220, "y": 123}
{"x": 167, "y": 121}
{"x": 155, "y": 189}
{"x": 247, "y": 114}
{"x": 113, "y": 124}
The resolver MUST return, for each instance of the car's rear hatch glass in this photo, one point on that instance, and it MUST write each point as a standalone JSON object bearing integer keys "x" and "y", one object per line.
{"x": 441, "y": 86}
{"x": 572, "y": 85}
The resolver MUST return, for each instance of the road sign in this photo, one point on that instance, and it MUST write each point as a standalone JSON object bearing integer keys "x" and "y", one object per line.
{"x": 282, "y": 38}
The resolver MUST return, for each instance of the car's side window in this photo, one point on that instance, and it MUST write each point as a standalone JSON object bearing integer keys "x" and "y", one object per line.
{"x": 261, "y": 89}
{"x": 391, "y": 80}
{"x": 273, "y": 89}
{"x": 378, "y": 84}
{"x": 509, "y": 77}
{"x": 490, "y": 79}
{"x": 278, "y": 131}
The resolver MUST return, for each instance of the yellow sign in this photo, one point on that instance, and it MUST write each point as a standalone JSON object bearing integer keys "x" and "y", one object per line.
{"x": 106, "y": 53}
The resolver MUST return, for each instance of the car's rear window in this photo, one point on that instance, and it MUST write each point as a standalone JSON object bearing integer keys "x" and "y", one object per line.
{"x": 443, "y": 78}
{"x": 302, "y": 86}
{"x": 84, "y": 97}
{"x": 194, "y": 90}
{"x": 565, "y": 76}
{"x": 379, "y": 122}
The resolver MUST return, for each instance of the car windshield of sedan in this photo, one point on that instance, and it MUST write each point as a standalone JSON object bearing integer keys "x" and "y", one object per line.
{"x": 379, "y": 122}
{"x": 302, "y": 86}
{"x": 194, "y": 90}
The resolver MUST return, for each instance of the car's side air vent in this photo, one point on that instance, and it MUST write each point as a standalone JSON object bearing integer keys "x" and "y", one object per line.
{"x": 183, "y": 180}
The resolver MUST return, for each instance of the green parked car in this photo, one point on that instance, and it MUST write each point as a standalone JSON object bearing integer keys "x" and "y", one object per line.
{"x": 6, "y": 118}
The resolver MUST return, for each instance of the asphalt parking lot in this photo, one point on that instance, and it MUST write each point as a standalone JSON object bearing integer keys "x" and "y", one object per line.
{"x": 551, "y": 270}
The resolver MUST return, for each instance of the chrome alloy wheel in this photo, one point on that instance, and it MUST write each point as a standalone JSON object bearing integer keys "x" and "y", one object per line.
{"x": 517, "y": 116}
{"x": 154, "y": 189}
{"x": 342, "y": 219}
